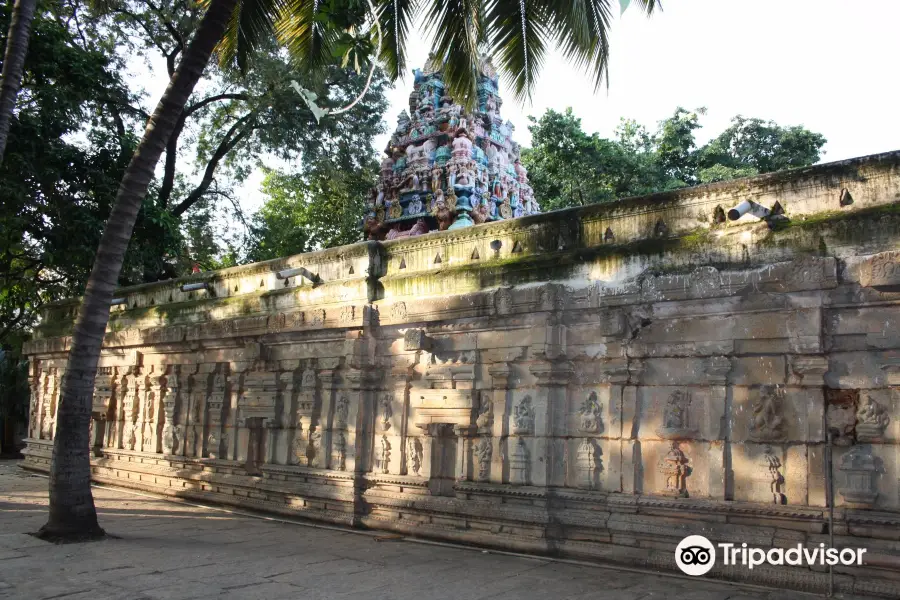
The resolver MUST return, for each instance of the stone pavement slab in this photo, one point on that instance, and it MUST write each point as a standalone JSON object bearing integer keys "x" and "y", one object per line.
{"x": 166, "y": 550}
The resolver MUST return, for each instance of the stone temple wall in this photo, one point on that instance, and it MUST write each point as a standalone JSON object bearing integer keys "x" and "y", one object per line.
{"x": 594, "y": 383}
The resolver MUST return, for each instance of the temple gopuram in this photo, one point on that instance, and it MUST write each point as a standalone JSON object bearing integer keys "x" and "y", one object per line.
{"x": 448, "y": 168}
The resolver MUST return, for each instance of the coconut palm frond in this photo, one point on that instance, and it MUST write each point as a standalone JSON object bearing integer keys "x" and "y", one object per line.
{"x": 250, "y": 26}
{"x": 458, "y": 28}
{"x": 301, "y": 30}
{"x": 395, "y": 17}
{"x": 518, "y": 31}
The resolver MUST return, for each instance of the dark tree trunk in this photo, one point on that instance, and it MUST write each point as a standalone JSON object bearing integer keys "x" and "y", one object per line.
{"x": 13, "y": 63}
{"x": 72, "y": 511}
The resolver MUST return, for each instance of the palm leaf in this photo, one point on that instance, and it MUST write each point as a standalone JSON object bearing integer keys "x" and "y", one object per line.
{"x": 581, "y": 31}
{"x": 518, "y": 40}
{"x": 458, "y": 27}
{"x": 251, "y": 25}
{"x": 301, "y": 30}
{"x": 395, "y": 17}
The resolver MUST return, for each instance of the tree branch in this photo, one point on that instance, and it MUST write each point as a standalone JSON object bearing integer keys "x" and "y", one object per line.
{"x": 234, "y": 136}
{"x": 207, "y": 101}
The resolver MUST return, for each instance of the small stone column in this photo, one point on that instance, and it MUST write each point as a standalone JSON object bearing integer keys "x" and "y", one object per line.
{"x": 487, "y": 420}
{"x": 550, "y": 401}
{"x": 464, "y": 434}
{"x": 360, "y": 389}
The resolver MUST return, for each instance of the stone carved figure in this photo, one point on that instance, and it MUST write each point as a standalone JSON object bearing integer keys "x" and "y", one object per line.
{"x": 339, "y": 458}
{"x": 586, "y": 460}
{"x": 386, "y": 411}
{"x": 589, "y": 416}
{"x": 871, "y": 420}
{"x": 385, "y": 454}
{"x": 767, "y": 420}
{"x": 341, "y": 412}
{"x": 523, "y": 417}
{"x": 769, "y": 477}
{"x": 674, "y": 469}
{"x": 485, "y": 417}
{"x": 315, "y": 442}
{"x": 676, "y": 417}
{"x": 414, "y": 453}
{"x": 840, "y": 415}
{"x": 309, "y": 378}
{"x": 298, "y": 446}
{"x": 483, "y": 451}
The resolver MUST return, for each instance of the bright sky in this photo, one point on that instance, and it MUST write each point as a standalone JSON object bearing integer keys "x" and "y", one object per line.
{"x": 826, "y": 64}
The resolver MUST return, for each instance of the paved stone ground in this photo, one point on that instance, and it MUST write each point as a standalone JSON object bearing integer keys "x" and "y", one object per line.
{"x": 170, "y": 550}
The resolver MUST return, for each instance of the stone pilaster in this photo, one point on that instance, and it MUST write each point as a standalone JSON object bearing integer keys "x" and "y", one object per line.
{"x": 497, "y": 399}
{"x": 360, "y": 387}
{"x": 547, "y": 459}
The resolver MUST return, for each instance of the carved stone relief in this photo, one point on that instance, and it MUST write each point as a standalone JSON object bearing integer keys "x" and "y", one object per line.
{"x": 767, "y": 415}
{"x": 586, "y": 462}
{"x": 674, "y": 467}
{"x": 315, "y": 450}
{"x": 483, "y": 451}
{"x": 840, "y": 415}
{"x": 768, "y": 477}
{"x": 414, "y": 453}
{"x": 485, "y": 418}
{"x": 339, "y": 452}
{"x": 676, "y": 422}
{"x": 590, "y": 420}
{"x": 860, "y": 470}
{"x": 523, "y": 417}
{"x": 385, "y": 411}
{"x": 871, "y": 420}
{"x": 518, "y": 462}
{"x": 384, "y": 455}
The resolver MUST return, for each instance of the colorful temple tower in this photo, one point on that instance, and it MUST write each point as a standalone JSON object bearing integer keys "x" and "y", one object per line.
{"x": 447, "y": 168}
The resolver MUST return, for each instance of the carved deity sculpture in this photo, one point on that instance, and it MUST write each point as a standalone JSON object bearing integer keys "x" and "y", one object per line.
{"x": 413, "y": 456}
{"x": 298, "y": 446}
{"x": 674, "y": 468}
{"x": 590, "y": 420}
{"x": 523, "y": 417}
{"x": 386, "y": 411}
{"x": 871, "y": 420}
{"x": 339, "y": 457}
{"x": 341, "y": 412}
{"x": 766, "y": 421}
{"x": 483, "y": 451}
{"x": 587, "y": 463}
{"x": 315, "y": 439}
{"x": 385, "y": 454}
{"x": 485, "y": 412}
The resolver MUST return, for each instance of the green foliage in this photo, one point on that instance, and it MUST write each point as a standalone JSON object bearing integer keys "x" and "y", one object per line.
{"x": 568, "y": 167}
{"x": 76, "y": 126}
{"x": 310, "y": 211}
{"x": 67, "y": 151}
{"x": 761, "y": 146}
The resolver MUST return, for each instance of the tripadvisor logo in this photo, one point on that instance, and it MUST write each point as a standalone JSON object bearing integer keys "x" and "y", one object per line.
{"x": 696, "y": 555}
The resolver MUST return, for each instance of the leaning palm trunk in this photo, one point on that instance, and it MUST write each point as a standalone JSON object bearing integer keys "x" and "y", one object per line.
{"x": 13, "y": 63}
{"x": 72, "y": 511}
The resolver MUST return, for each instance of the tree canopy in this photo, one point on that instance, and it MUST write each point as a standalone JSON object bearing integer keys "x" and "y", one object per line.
{"x": 569, "y": 167}
{"x": 77, "y": 123}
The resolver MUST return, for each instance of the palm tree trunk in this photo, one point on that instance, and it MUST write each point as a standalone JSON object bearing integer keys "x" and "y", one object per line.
{"x": 72, "y": 512}
{"x": 13, "y": 63}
